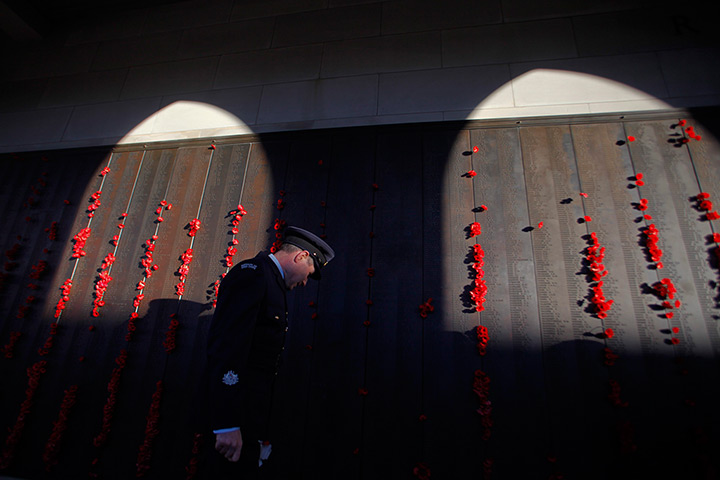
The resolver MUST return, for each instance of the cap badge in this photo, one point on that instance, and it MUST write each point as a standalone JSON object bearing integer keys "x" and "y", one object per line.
{"x": 230, "y": 378}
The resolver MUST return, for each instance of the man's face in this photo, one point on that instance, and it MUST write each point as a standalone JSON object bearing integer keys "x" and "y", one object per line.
{"x": 300, "y": 269}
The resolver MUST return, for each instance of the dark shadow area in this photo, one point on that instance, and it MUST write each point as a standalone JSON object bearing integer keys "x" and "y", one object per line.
{"x": 356, "y": 376}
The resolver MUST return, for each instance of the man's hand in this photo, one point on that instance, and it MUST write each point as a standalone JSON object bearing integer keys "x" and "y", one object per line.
{"x": 229, "y": 444}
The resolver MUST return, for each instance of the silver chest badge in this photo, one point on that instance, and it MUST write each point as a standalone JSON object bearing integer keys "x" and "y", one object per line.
{"x": 230, "y": 378}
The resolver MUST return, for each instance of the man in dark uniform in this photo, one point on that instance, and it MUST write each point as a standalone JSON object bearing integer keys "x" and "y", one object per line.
{"x": 246, "y": 337}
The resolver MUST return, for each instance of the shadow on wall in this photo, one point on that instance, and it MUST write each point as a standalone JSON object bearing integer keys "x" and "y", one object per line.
{"x": 539, "y": 409}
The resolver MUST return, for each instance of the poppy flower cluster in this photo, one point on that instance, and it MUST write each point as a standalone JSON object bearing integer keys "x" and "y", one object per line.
{"x": 237, "y": 215}
{"x": 52, "y": 447}
{"x": 278, "y": 226}
{"x": 643, "y": 206}
{"x": 13, "y": 252}
{"x": 690, "y": 132}
{"x": 34, "y": 373}
{"x": 151, "y": 431}
{"x": 64, "y": 297}
{"x": 147, "y": 259}
{"x": 216, "y": 289}
{"x": 52, "y": 231}
{"x": 609, "y": 357}
{"x": 426, "y": 308}
{"x": 652, "y": 237}
{"x": 639, "y": 182}
{"x": 479, "y": 290}
{"x": 481, "y": 387}
{"x": 9, "y": 348}
{"x": 38, "y": 270}
{"x": 79, "y": 242}
{"x": 475, "y": 229}
{"x": 614, "y": 395}
{"x": 101, "y": 284}
{"x": 665, "y": 289}
{"x": 45, "y": 349}
{"x": 194, "y": 227}
{"x": 95, "y": 197}
{"x": 183, "y": 271}
{"x": 231, "y": 251}
{"x": 171, "y": 334}
{"x": 595, "y": 255}
{"x": 704, "y": 204}
{"x": 131, "y": 327}
{"x": 626, "y": 432}
{"x": 483, "y": 338}
{"x": 421, "y": 471}
{"x": 109, "y": 408}
{"x": 192, "y": 466}
{"x": 104, "y": 171}
{"x": 488, "y": 467}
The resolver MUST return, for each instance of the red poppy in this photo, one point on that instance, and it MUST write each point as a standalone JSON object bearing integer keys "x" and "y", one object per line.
{"x": 585, "y": 195}
{"x": 675, "y": 330}
{"x": 639, "y": 183}
{"x": 712, "y": 215}
{"x": 631, "y": 138}
{"x": 675, "y": 340}
{"x": 716, "y": 237}
{"x": 706, "y": 205}
{"x": 471, "y": 173}
{"x": 476, "y": 149}
{"x": 426, "y": 308}
{"x": 540, "y": 225}
{"x": 475, "y": 229}
{"x": 682, "y": 123}
{"x": 587, "y": 218}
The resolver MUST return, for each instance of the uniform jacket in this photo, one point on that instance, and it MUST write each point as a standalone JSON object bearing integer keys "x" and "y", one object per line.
{"x": 245, "y": 341}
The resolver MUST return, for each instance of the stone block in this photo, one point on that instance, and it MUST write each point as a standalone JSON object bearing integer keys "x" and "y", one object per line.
{"x": 319, "y": 99}
{"x": 269, "y": 66}
{"x": 506, "y": 43}
{"x": 442, "y": 89}
{"x": 416, "y": 51}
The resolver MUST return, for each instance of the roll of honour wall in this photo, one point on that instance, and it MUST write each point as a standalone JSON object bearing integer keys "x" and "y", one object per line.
{"x": 509, "y": 301}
